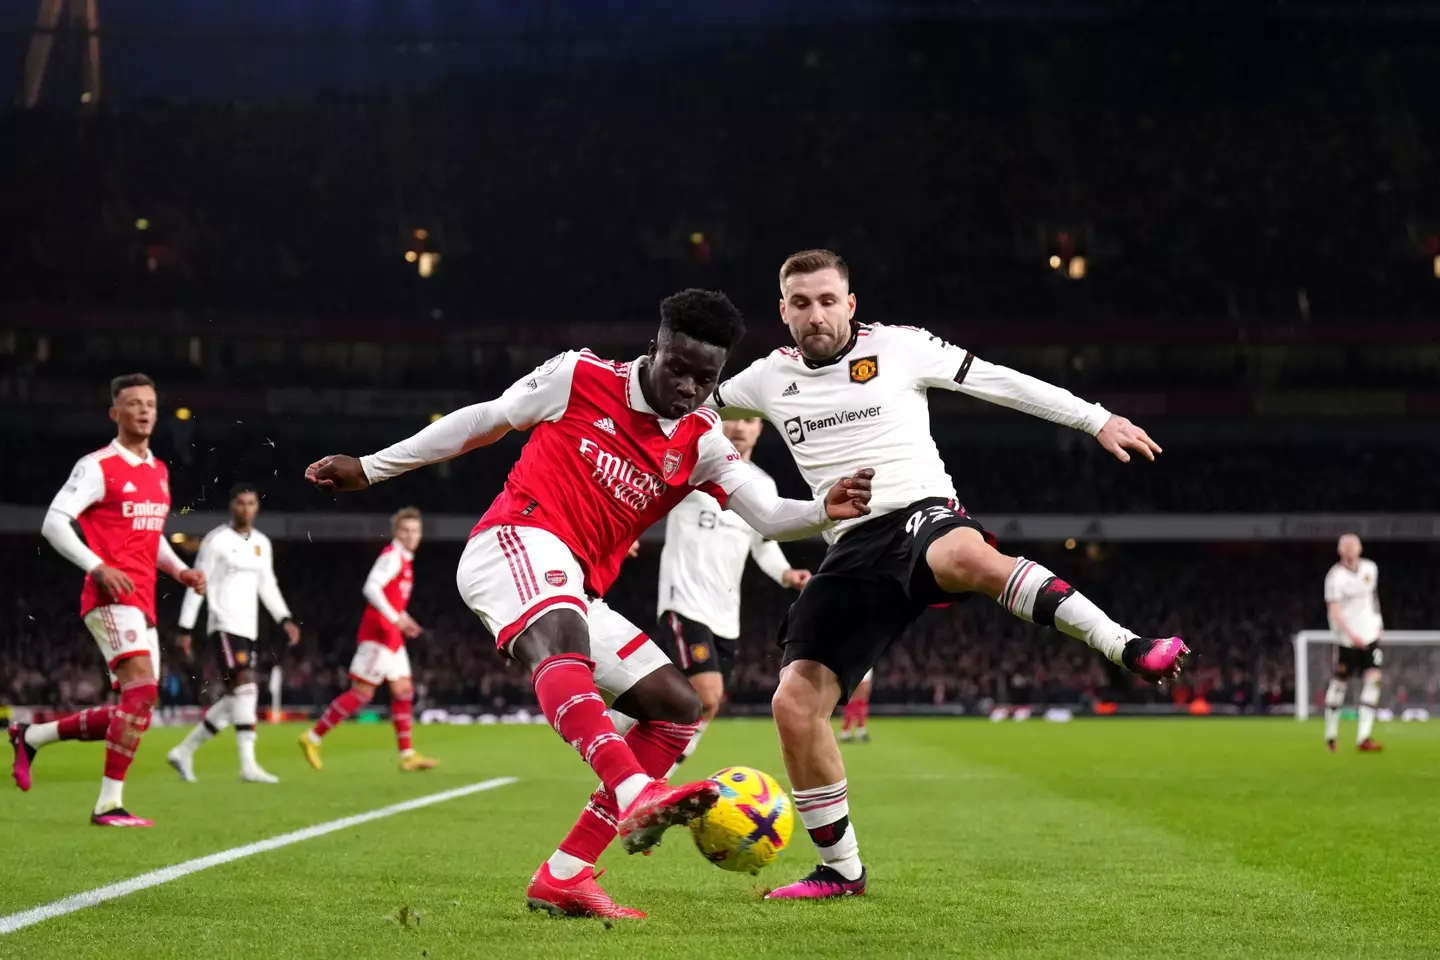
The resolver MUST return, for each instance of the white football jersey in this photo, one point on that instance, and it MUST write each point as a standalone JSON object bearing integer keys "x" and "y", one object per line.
{"x": 868, "y": 408}
{"x": 704, "y": 559}
{"x": 239, "y": 570}
{"x": 1355, "y": 591}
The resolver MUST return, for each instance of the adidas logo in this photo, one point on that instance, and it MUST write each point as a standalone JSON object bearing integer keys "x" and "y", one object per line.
{"x": 790, "y": 391}
{"x": 128, "y": 488}
{"x": 606, "y": 424}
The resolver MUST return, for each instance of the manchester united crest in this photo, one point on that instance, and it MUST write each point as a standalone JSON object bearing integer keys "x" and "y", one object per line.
{"x": 671, "y": 463}
{"x": 864, "y": 369}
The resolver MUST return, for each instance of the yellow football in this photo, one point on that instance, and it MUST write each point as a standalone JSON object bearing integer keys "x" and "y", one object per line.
{"x": 749, "y": 825}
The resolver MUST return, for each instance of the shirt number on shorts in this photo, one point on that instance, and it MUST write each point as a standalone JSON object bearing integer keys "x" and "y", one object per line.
{"x": 920, "y": 517}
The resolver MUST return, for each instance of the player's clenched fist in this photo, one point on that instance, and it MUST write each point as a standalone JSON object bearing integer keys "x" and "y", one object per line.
{"x": 337, "y": 472}
{"x": 850, "y": 498}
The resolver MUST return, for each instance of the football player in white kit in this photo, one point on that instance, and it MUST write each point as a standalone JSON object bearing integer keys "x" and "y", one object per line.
{"x": 698, "y": 607}
{"x": 1353, "y": 608}
{"x": 847, "y": 391}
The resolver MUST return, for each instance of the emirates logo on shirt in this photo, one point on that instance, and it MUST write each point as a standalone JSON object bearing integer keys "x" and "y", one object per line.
{"x": 625, "y": 481}
{"x": 146, "y": 514}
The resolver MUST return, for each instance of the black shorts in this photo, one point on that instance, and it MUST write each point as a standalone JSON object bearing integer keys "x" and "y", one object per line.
{"x": 233, "y": 653}
{"x": 872, "y": 585}
{"x": 1353, "y": 661}
{"x": 693, "y": 647}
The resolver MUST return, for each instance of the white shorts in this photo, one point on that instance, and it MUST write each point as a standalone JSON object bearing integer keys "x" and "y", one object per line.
{"x": 869, "y": 675}
{"x": 374, "y": 663}
{"x": 511, "y": 575}
{"x": 121, "y": 633}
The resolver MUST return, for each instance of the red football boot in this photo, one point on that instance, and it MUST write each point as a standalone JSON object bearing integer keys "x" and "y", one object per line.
{"x": 660, "y": 807}
{"x": 24, "y": 756}
{"x": 580, "y": 896}
{"x": 1368, "y": 746}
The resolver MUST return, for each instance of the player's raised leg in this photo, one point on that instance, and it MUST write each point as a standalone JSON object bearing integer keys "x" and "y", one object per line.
{"x": 27, "y": 738}
{"x": 962, "y": 561}
{"x": 647, "y": 687}
{"x": 546, "y": 629}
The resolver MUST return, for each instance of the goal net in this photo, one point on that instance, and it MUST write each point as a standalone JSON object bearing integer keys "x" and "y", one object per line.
{"x": 1410, "y": 663}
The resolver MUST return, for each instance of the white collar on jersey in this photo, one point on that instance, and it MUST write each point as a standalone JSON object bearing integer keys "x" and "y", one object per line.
{"x": 130, "y": 458}
{"x": 400, "y": 548}
{"x": 637, "y": 399}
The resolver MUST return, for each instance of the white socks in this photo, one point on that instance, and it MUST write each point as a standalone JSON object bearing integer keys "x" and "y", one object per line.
{"x": 1369, "y": 701}
{"x": 1034, "y": 593}
{"x": 629, "y": 789}
{"x": 40, "y": 734}
{"x": 563, "y": 866}
{"x": 217, "y": 718}
{"x": 111, "y": 795}
{"x": 244, "y": 700}
{"x": 1334, "y": 700}
{"x": 825, "y": 812}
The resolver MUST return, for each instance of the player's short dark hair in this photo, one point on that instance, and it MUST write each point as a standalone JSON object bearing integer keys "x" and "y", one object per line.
{"x": 813, "y": 261}
{"x": 704, "y": 315}
{"x": 129, "y": 380}
{"x": 243, "y": 487}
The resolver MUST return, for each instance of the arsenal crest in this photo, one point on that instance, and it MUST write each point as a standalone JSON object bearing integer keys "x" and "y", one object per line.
{"x": 556, "y": 578}
{"x": 864, "y": 369}
{"x": 671, "y": 464}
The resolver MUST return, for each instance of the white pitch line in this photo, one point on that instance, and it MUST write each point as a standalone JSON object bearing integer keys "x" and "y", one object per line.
{"x": 90, "y": 898}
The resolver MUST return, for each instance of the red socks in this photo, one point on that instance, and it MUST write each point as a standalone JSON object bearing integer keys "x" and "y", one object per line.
{"x": 657, "y": 746}
{"x": 565, "y": 687}
{"x": 89, "y": 724}
{"x": 341, "y": 708}
{"x": 862, "y": 713}
{"x": 128, "y": 723}
{"x": 402, "y": 714}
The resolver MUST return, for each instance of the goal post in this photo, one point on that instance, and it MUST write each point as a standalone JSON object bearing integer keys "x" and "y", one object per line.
{"x": 1411, "y": 664}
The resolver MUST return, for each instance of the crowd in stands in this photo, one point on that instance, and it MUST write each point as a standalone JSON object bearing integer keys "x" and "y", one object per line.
{"x": 1200, "y": 173}
{"x": 1237, "y": 605}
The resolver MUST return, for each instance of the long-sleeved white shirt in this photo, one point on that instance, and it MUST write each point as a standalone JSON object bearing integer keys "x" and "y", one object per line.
{"x": 389, "y": 565}
{"x": 703, "y": 561}
{"x": 239, "y": 571}
{"x": 868, "y": 408}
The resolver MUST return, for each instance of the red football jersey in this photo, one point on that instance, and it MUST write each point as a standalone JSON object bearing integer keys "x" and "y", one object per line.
{"x": 600, "y": 466}
{"x": 121, "y": 503}
{"x": 393, "y": 575}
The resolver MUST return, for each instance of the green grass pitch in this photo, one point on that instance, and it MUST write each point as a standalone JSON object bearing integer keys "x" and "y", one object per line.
{"x": 1105, "y": 838}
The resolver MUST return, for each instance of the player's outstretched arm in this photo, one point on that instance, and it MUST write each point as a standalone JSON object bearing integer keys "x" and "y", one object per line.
{"x": 777, "y": 518}
{"x": 945, "y": 366}
{"x": 539, "y": 397}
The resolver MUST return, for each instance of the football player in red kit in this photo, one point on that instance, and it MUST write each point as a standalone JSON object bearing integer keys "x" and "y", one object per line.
{"x": 380, "y": 654}
{"x": 613, "y": 447}
{"x": 120, "y": 497}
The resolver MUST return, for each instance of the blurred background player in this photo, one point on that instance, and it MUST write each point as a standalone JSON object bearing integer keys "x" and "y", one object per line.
{"x": 1352, "y": 604}
{"x": 701, "y": 567}
{"x": 239, "y": 566}
{"x": 848, "y": 392}
{"x": 120, "y": 497}
{"x": 613, "y": 448}
{"x": 857, "y": 712}
{"x": 380, "y": 655}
